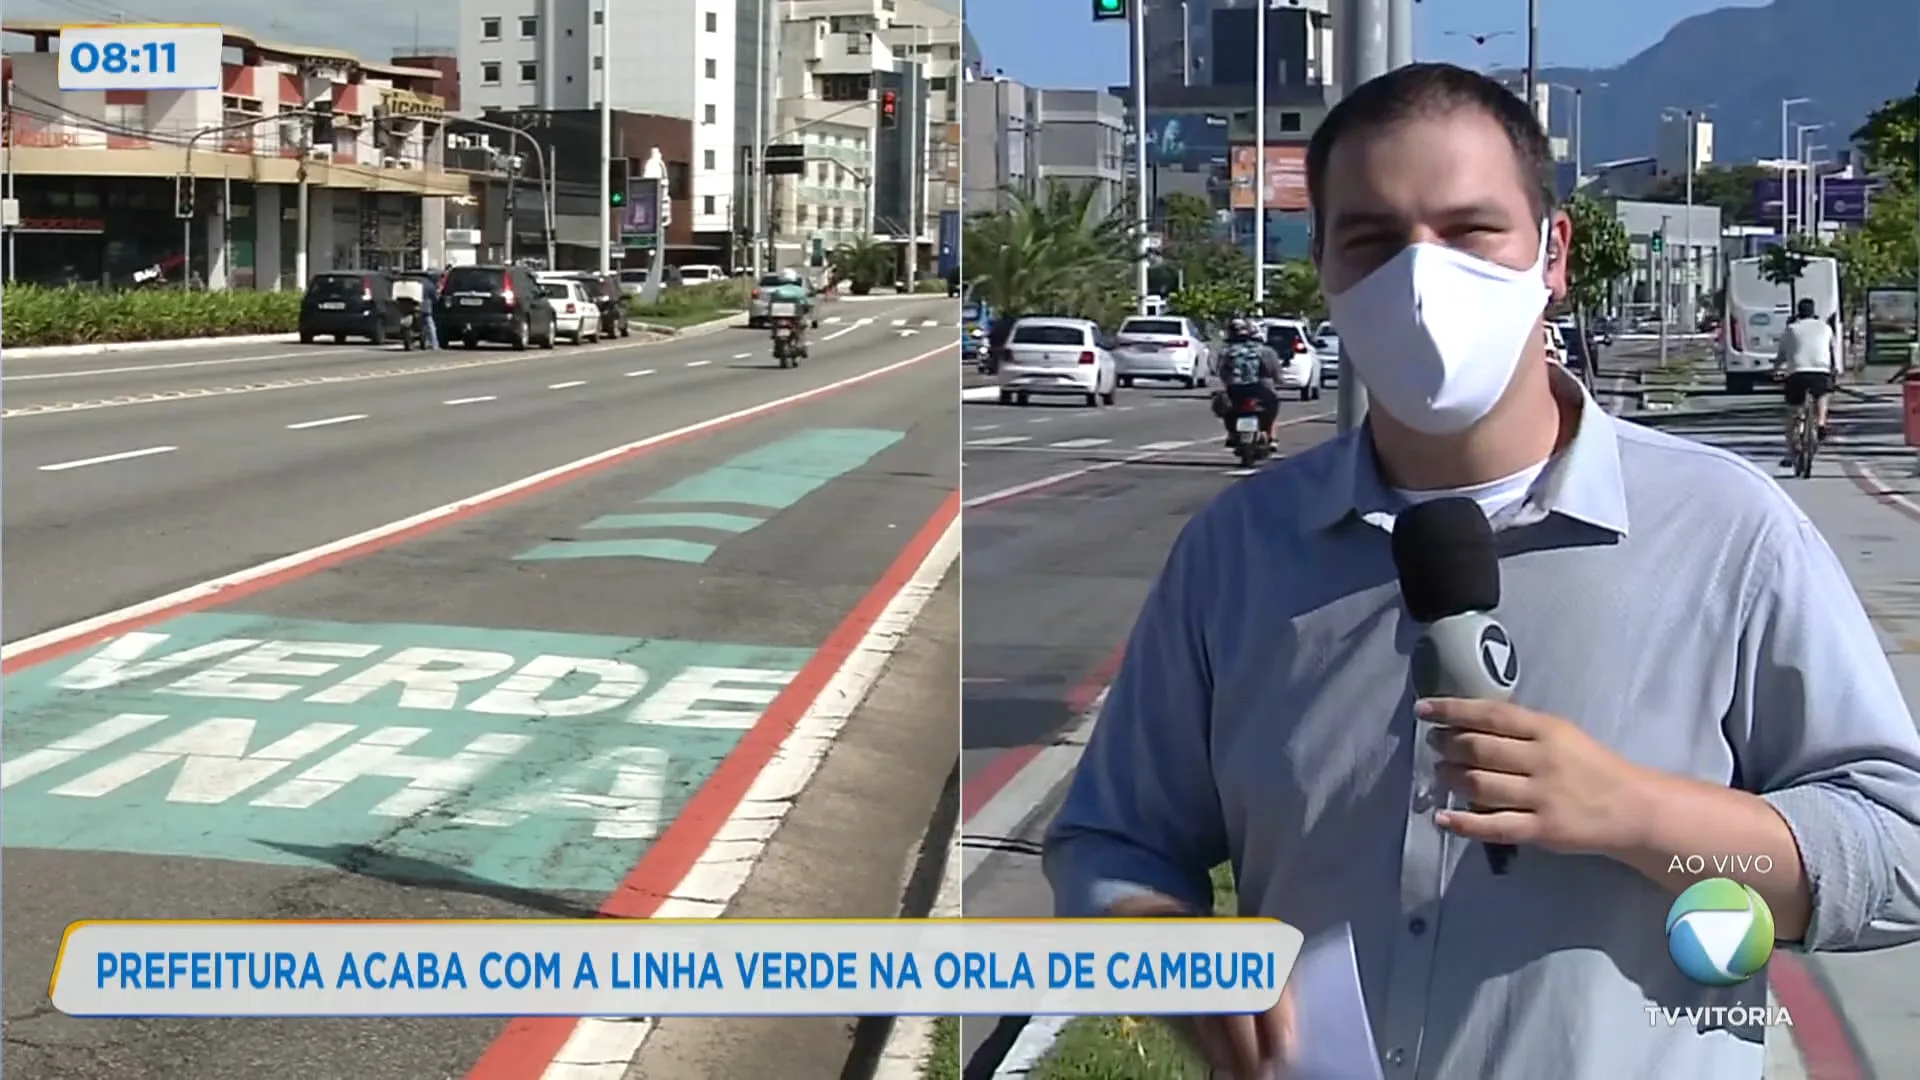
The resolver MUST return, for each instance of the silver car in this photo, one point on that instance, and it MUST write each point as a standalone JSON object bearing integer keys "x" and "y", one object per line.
{"x": 1326, "y": 342}
{"x": 757, "y": 305}
{"x": 1166, "y": 347}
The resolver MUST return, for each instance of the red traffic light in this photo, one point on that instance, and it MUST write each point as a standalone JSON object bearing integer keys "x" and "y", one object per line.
{"x": 888, "y": 101}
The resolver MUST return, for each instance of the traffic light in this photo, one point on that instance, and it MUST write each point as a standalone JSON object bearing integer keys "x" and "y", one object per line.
{"x": 1659, "y": 243}
{"x": 1109, "y": 9}
{"x": 617, "y": 180}
{"x": 183, "y": 197}
{"x": 889, "y": 108}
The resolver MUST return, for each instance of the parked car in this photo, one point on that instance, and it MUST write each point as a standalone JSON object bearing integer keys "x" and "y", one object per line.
{"x": 576, "y": 317}
{"x": 494, "y": 303}
{"x": 1577, "y": 351}
{"x": 1299, "y": 360}
{"x": 1169, "y": 348}
{"x": 701, "y": 274}
{"x": 349, "y": 303}
{"x": 611, "y": 299}
{"x": 1057, "y": 356}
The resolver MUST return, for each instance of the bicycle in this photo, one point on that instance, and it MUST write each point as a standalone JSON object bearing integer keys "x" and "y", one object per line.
{"x": 1804, "y": 439}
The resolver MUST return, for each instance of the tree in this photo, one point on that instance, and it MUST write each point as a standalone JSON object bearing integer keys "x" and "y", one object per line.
{"x": 863, "y": 263}
{"x": 1293, "y": 288}
{"x": 1051, "y": 253}
{"x": 1891, "y": 140}
{"x": 1783, "y": 264}
{"x": 1601, "y": 255}
{"x": 1731, "y": 188}
{"x": 1187, "y": 219}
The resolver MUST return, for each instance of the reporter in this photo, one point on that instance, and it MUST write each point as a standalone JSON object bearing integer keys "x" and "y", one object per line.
{"x": 1700, "y": 677}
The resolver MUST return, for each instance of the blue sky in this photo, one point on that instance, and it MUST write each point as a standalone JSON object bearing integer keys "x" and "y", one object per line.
{"x": 1056, "y": 43}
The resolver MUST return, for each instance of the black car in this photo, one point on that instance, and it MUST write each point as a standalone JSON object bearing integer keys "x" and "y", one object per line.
{"x": 494, "y": 303}
{"x": 349, "y": 303}
{"x": 606, "y": 292}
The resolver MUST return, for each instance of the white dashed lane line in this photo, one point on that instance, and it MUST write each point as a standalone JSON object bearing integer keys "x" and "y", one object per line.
{"x": 568, "y": 385}
{"x": 105, "y": 459}
{"x": 698, "y": 363}
{"x": 471, "y": 400}
{"x": 327, "y": 422}
{"x": 637, "y": 374}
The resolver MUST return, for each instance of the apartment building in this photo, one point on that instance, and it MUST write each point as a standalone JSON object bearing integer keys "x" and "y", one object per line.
{"x": 698, "y": 60}
{"x": 866, "y": 175}
{"x": 95, "y": 172}
{"x": 1212, "y": 42}
{"x": 1019, "y": 139}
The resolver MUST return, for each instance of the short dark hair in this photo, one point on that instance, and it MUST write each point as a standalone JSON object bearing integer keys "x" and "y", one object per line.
{"x": 1805, "y": 309}
{"x": 1420, "y": 91}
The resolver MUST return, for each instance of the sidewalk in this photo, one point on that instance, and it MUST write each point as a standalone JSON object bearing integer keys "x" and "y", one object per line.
{"x": 1866, "y": 500}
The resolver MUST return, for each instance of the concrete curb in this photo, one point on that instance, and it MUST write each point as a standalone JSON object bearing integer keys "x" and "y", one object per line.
{"x": 54, "y": 352}
{"x": 735, "y": 319}
{"x": 908, "y": 1054}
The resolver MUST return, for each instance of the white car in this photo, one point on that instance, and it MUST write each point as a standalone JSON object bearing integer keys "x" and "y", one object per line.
{"x": 1299, "y": 360}
{"x": 1326, "y": 341}
{"x": 1058, "y": 356}
{"x": 701, "y": 274}
{"x": 1167, "y": 347}
{"x": 575, "y": 316}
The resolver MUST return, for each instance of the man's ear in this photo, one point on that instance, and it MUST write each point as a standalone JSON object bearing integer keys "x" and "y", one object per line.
{"x": 1559, "y": 244}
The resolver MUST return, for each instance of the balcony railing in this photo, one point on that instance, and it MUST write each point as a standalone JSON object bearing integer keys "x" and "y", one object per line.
{"x": 270, "y": 138}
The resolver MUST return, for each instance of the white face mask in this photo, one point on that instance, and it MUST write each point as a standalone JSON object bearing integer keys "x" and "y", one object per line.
{"x": 1436, "y": 334}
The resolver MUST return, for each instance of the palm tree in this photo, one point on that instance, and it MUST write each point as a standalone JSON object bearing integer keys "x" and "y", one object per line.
{"x": 1051, "y": 253}
{"x": 863, "y": 263}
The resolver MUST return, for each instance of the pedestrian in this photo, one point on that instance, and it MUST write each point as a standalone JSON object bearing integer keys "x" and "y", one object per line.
{"x": 1700, "y": 686}
{"x": 429, "y": 299}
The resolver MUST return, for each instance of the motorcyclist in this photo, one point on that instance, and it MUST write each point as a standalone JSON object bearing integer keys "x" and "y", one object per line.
{"x": 792, "y": 289}
{"x": 1248, "y": 368}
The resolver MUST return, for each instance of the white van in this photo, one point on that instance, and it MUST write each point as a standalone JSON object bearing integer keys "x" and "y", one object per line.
{"x": 1758, "y": 310}
{"x": 701, "y": 274}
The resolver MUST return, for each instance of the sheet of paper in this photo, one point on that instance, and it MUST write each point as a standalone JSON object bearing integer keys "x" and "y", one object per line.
{"x": 1335, "y": 1038}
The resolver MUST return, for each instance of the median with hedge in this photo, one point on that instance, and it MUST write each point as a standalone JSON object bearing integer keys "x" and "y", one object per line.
{"x": 33, "y": 316}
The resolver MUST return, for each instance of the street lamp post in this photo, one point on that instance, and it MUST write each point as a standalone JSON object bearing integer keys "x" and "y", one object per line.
{"x": 1786, "y": 105}
{"x": 1260, "y": 162}
{"x": 606, "y": 137}
{"x": 1142, "y": 212}
{"x": 1801, "y": 132}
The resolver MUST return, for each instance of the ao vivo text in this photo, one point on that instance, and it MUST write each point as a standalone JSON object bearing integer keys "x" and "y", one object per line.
{"x": 1721, "y": 865}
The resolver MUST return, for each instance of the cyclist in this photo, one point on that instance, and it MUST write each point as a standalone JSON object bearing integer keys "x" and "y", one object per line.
{"x": 1810, "y": 358}
{"x": 1248, "y": 368}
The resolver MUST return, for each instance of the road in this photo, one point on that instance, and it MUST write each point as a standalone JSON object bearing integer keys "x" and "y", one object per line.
{"x": 1069, "y": 514}
{"x": 515, "y": 705}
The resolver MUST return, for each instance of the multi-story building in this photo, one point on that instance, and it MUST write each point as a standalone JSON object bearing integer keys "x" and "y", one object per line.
{"x": 1019, "y": 139}
{"x": 1676, "y": 142}
{"x": 1212, "y": 42}
{"x": 95, "y": 172}
{"x": 699, "y": 61}
{"x": 866, "y": 175}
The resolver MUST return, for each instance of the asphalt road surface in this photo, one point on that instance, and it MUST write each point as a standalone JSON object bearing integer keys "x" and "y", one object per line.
{"x": 499, "y": 715}
{"x": 1070, "y": 512}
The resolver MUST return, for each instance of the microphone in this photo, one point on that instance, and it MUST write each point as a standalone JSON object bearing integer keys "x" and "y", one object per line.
{"x": 1449, "y": 569}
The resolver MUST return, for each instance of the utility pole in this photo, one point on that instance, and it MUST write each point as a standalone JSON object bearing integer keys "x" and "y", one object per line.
{"x": 1690, "y": 312}
{"x": 513, "y": 201}
{"x": 1399, "y": 33}
{"x": 1367, "y": 58}
{"x": 1662, "y": 263}
{"x": 758, "y": 179}
{"x": 1142, "y": 212}
{"x": 606, "y": 140}
{"x": 302, "y": 208}
{"x": 1260, "y": 162}
{"x": 1533, "y": 56}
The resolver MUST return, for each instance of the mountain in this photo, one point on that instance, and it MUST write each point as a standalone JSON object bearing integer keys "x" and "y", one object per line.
{"x": 1737, "y": 64}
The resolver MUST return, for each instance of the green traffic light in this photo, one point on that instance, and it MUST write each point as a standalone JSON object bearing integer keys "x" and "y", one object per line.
{"x": 1110, "y": 7}
{"x": 619, "y": 198}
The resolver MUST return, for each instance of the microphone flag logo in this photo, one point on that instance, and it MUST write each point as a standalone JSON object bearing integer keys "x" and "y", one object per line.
{"x": 1719, "y": 932}
{"x": 1497, "y": 656}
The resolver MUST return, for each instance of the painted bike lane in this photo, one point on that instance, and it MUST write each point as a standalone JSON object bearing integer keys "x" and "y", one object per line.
{"x": 481, "y": 721}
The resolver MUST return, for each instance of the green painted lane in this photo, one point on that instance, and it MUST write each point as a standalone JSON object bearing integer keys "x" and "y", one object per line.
{"x": 543, "y": 761}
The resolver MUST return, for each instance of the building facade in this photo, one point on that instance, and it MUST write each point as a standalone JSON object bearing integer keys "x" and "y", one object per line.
{"x": 696, "y": 60}
{"x": 96, "y": 172}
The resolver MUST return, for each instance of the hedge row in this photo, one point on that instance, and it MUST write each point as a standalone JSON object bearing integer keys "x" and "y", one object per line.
{"x": 32, "y": 315}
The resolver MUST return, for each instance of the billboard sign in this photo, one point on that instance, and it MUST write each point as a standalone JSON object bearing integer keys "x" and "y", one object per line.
{"x": 1842, "y": 200}
{"x": 1286, "y": 178}
{"x": 1186, "y": 140}
{"x": 640, "y": 218}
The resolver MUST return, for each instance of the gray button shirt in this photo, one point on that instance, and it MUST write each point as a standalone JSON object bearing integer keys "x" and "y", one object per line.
{"x": 1264, "y": 715}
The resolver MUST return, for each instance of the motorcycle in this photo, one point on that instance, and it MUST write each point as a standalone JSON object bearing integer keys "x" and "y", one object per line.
{"x": 1250, "y": 444}
{"x": 787, "y": 347}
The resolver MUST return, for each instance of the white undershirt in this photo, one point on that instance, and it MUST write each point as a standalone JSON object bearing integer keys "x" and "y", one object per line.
{"x": 1493, "y": 496}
